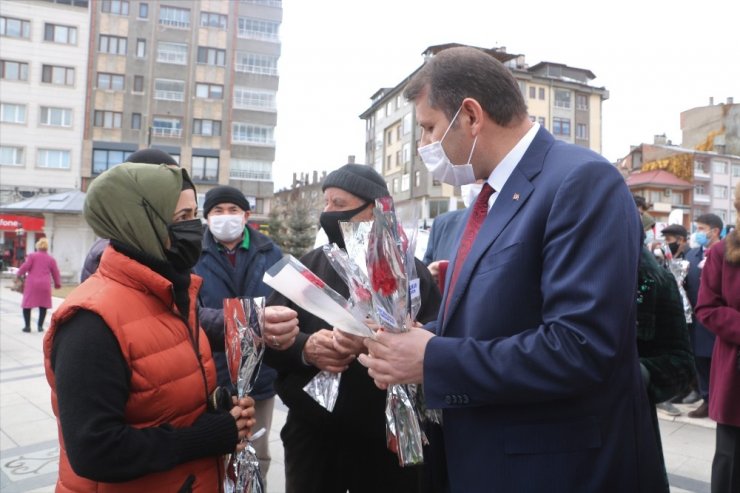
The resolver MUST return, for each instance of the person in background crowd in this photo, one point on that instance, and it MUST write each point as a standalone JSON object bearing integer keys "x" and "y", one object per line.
{"x": 666, "y": 358}
{"x": 130, "y": 371}
{"x": 718, "y": 308}
{"x": 333, "y": 452}
{"x": 445, "y": 235}
{"x": 708, "y": 227}
{"x": 676, "y": 238}
{"x": 232, "y": 264}
{"x": 39, "y": 270}
{"x": 532, "y": 359}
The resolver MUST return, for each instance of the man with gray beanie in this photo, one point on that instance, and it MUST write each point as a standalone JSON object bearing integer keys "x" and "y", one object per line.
{"x": 344, "y": 449}
{"x": 233, "y": 261}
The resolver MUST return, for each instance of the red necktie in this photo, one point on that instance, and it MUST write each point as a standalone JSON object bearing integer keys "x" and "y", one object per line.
{"x": 477, "y": 216}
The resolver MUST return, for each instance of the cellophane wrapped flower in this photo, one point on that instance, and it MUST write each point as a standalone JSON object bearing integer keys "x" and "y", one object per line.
{"x": 396, "y": 301}
{"x": 680, "y": 269}
{"x": 244, "y": 320}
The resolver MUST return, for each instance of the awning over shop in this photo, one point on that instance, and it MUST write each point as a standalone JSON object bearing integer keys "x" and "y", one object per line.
{"x": 11, "y": 222}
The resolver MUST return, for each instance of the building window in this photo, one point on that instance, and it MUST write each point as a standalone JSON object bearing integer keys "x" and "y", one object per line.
{"x": 541, "y": 121}
{"x": 107, "y": 119}
{"x": 11, "y": 156}
{"x": 720, "y": 191}
{"x": 209, "y": 91}
{"x": 721, "y": 213}
{"x": 141, "y": 48}
{"x": 561, "y": 126}
{"x": 407, "y": 153}
{"x": 406, "y": 123}
{"x": 256, "y": 63}
{"x": 138, "y": 83}
{"x": 212, "y": 19}
{"x": 167, "y": 127}
{"x": 55, "y": 117}
{"x": 15, "y": 28}
{"x": 388, "y": 162}
{"x": 169, "y": 90}
{"x": 63, "y": 76}
{"x": 562, "y": 98}
{"x": 258, "y": 29}
{"x": 113, "y": 82}
{"x": 176, "y": 53}
{"x": 437, "y": 207}
{"x": 581, "y": 102}
{"x": 115, "y": 45}
{"x": 208, "y": 128}
{"x": 118, "y": 7}
{"x": 736, "y": 170}
{"x": 250, "y": 169}
{"x": 52, "y": 158}
{"x": 699, "y": 189}
{"x": 254, "y": 99}
{"x": 389, "y": 137}
{"x": 719, "y": 167}
{"x": 532, "y": 92}
{"x": 136, "y": 121}
{"x": 581, "y": 131}
{"x": 417, "y": 178}
{"x": 104, "y": 159}
{"x": 541, "y": 93}
{"x": 205, "y": 168}
{"x": 10, "y": 70}
{"x": 60, "y": 34}
{"x": 173, "y": 16}
{"x": 143, "y": 10}
{"x": 12, "y": 113}
{"x": 243, "y": 133}
{"x": 211, "y": 56}
{"x": 699, "y": 167}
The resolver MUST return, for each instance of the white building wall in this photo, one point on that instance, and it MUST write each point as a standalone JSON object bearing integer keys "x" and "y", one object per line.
{"x": 36, "y": 52}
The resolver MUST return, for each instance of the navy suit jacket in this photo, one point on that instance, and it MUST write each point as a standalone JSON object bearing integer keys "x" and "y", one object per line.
{"x": 535, "y": 365}
{"x": 701, "y": 338}
{"x": 445, "y": 235}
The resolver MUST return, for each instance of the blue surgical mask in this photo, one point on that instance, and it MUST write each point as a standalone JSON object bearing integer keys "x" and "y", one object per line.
{"x": 701, "y": 238}
{"x": 649, "y": 237}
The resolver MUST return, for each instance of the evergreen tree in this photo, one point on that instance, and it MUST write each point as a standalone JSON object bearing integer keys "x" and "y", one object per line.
{"x": 276, "y": 227}
{"x": 301, "y": 233}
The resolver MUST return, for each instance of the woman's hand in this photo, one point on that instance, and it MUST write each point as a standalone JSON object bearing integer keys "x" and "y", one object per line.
{"x": 243, "y": 413}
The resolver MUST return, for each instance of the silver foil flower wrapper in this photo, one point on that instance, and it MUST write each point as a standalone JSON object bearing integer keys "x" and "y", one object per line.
{"x": 244, "y": 319}
{"x": 680, "y": 269}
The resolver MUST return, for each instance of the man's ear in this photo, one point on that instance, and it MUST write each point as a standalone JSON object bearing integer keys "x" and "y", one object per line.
{"x": 472, "y": 115}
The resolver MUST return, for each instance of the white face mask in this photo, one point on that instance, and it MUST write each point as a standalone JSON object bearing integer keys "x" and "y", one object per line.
{"x": 470, "y": 193}
{"x": 226, "y": 227}
{"x": 439, "y": 165}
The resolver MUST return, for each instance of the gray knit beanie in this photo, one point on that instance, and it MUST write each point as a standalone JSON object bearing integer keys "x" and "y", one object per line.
{"x": 358, "y": 179}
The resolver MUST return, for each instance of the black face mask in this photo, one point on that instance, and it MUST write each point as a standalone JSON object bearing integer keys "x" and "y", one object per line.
{"x": 330, "y": 223}
{"x": 186, "y": 240}
{"x": 674, "y": 247}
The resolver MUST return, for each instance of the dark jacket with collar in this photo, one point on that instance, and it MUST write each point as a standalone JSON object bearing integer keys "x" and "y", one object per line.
{"x": 701, "y": 338}
{"x": 222, "y": 280}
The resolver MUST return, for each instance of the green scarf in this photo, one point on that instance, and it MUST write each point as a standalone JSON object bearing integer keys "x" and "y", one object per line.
{"x": 133, "y": 203}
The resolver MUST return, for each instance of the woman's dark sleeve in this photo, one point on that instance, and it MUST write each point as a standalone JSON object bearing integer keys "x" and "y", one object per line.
{"x": 92, "y": 383}
{"x": 430, "y": 296}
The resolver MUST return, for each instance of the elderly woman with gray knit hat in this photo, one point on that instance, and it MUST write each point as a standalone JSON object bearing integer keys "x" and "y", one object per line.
{"x": 130, "y": 370}
{"x": 344, "y": 449}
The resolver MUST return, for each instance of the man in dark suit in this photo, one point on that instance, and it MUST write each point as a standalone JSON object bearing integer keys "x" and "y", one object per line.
{"x": 533, "y": 357}
{"x": 708, "y": 227}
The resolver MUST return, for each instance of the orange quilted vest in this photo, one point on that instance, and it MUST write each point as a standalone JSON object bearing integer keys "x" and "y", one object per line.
{"x": 138, "y": 306}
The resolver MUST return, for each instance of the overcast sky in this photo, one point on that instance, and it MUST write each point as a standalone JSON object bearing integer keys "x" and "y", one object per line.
{"x": 656, "y": 58}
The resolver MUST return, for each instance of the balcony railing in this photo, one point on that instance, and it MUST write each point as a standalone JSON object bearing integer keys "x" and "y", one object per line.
{"x": 702, "y": 199}
{"x": 173, "y": 133}
{"x": 169, "y": 95}
{"x": 256, "y": 69}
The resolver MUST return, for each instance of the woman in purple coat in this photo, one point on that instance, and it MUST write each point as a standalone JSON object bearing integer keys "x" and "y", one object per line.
{"x": 718, "y": 308}
{"x": 39, "y": 268}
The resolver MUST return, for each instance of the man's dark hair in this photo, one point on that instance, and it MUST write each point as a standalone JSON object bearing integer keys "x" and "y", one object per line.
{"x": 640, "y": 202}
{"x": 465, "y": 72}
{"x": 711, "y": 220}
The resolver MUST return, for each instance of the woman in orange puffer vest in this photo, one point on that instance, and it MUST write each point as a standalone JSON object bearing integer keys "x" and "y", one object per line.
{"x": 130, "y": 369}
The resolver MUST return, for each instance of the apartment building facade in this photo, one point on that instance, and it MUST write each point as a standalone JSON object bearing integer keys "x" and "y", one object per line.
{"x": 559, "y": 97}
{"x": 43, "y": 75}
{"x": 195, "y": 79}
